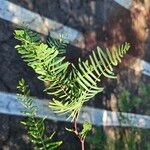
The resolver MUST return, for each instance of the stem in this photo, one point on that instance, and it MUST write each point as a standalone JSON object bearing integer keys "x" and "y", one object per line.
{"x": 82, "y": 143}
{"x": 78, "y": 135}
{"x": 75, "y": 127}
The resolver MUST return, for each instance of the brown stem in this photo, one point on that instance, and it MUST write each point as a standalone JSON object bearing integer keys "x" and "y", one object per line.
{"x": 75, "y": 127}
{"x": 78, "y": 135}
{"x": 82, "y": 143}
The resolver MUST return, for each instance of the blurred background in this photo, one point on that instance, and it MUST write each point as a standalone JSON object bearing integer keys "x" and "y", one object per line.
{"x": 104, "y": 23}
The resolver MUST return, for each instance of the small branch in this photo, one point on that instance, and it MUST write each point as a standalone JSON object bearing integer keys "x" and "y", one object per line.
{"x": 75, "y": 127}
{"x": 78, "y": 134}
{"x": 82, "y": 142}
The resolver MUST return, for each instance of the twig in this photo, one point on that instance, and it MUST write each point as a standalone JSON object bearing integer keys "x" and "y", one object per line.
{"x": 82, "y": 140}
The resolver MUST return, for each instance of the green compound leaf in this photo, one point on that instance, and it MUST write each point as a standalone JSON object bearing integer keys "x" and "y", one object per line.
{"x": 69, "y": 86}
{"x": 35, "y": 127}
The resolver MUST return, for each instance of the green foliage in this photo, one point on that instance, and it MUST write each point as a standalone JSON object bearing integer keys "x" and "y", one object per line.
{"x": 124, "y": 101}
{"x": 97, "y": 139}
{"x": 138, "y": 102}
{"x": 70, "y": 86}
{"x": 143, "y": 94}
{"x": 128, "y": 102}
{"x": 126, "y": 138}
{"x": 58, "y": 44}
{"x": 144, "y": 90}
{"x": 84, "y": 132}
{"x": 23, "y": 97}
{"x": 36, "y": 127}
{"x": 86, "y": 78}
{"x": 86, "y": 129}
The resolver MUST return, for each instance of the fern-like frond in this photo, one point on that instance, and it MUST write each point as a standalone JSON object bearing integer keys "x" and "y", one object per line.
{"x": 69, "y": 89}
{"x": 23, "y": 97}
{"x": 102, "y": 62}
{"x": 99, "y": 63}
{"x": 26, "y": 35}
{"x": 86, "y": 78}
{"x": 35, "y": 127}
{"x": 59, "y": 44}
{"x": 46, "y": 61}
